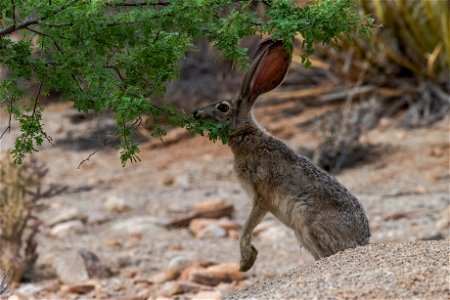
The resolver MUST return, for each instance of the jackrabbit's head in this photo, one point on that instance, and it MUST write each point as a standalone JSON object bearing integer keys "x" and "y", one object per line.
{"x": 267, "y": 70}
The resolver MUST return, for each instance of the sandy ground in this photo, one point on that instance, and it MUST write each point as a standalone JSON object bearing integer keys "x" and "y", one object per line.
{"x": 404, "y": 192}
{"x": 413, "y": 270}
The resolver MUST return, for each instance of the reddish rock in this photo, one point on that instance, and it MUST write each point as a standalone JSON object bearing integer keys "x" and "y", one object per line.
{"x": 226, "y": 272}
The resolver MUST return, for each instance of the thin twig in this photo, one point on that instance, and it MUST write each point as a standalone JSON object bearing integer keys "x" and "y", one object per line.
{"x": 87, "y": 158}
{"x": 46, "y": 34}
{"x": 30, "y": 21}
{"x": 145, "y": 3}
{"x": 13, "y": 6}
{"x": 36, "y": 98}
{"x": 9, "y": 120}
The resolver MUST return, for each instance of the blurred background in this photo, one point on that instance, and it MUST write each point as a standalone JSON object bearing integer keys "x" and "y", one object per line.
{"x": 374, "y": 113}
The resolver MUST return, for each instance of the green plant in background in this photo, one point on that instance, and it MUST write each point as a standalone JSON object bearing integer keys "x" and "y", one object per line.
{"x": 415, "y": 35}
{"x": 117, "y": 55}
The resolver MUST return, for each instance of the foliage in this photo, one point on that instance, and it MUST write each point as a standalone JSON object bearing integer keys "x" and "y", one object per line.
{"x": 414, "y": 39}
{"x": 117, "y": 55}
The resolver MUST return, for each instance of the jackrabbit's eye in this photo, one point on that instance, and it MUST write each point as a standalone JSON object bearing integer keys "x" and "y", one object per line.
{"x": 223, "y": 107}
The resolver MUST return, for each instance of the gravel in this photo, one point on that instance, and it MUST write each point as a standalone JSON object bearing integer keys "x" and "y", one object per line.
{"x": 411, "y": 270}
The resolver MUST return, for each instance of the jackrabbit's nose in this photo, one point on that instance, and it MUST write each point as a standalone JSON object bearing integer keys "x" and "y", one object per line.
{"x": 196, "y": 114}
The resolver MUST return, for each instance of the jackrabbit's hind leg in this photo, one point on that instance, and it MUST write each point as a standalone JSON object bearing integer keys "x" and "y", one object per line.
{"x": 319, "y": 241}
{"x": 307, "y": 245}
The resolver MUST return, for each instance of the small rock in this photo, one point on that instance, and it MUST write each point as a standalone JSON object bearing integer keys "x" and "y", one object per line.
{"x": 70, "y": 268}
{"x": 177, "y": 265}
{"x": 97, "y": 218}
{"x": 94, "y": 266}
{"x": 160, "y": 278}
{"x": 197, "y": 225}
{"x": 183, "y": 181}
{"x": 169, "y": 180}
{"x": 210, "y": 295}
{"x": 141, "y": 224}
{"x": 433, "y": 237}
{"x": 64, "y": 229}
{"x": 28, "y": 290}
{"x": 225, "y": 272}
{"x": 186, "y": 273}
{"x": 436, "y": 151}
{"x": 401, "y": 135}
{"x": 212, "y": 231}
{"x": 228, "y": 224}
{"x": 210, "y": 204}
{"x": 170, "y": 288}
{"x": 383, "y": 123}
{"x": 64, "y": 215}
{"x": 422, "y": 189}
{"x": 77, "y": 266}
{"x": 116, "y": 204}
{"x": 82, "y": 288}
{"x": 233, "y": 234}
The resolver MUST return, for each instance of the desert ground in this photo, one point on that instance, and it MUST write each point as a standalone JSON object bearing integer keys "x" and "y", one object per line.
{"x": 105, "y": 235}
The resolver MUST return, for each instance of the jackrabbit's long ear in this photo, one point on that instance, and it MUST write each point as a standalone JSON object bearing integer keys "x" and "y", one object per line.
{"x": 267, "y": 70}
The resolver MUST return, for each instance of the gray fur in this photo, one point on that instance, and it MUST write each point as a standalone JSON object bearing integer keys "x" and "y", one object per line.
{"x": 324, "y": 215}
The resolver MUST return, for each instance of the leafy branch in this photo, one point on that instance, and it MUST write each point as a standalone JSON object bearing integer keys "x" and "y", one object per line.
{"x": 118, "y": 55}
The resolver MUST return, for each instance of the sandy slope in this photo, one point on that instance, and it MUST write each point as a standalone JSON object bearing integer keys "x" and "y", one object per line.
{"x": 379, "y": 271}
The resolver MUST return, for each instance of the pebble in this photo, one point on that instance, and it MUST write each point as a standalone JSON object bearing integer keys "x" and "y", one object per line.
{"x": 169, "y": 180}
{"x": 209, "y": 204}
{"x": 198, "y": 226}
{"x": 77, "y": 266}
{"x": 169, "y": 289}
{"x": 64, "y": 215}
{"x": 212, "y": 231}
{"x": 70, "y": 268}
{"x": 177, "y": 265}
{"x": 62, "y": 230}
{"x": 81, "y": 288}
{"x": 28, "y": 289}
{"x": 138, "y": 224}
{"x": 117, "y": 204}
{"x": 183, "y": 181}
{"x": 210, "y": 295}
{"x": 172, "y": 288}
{"x": 213, "y": 275}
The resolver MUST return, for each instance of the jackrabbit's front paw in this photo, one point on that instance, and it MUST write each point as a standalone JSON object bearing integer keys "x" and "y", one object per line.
{"x": 248, "y": 258}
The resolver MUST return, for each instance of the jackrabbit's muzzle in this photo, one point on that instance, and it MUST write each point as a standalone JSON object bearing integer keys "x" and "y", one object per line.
{"x": 201, "y": 113}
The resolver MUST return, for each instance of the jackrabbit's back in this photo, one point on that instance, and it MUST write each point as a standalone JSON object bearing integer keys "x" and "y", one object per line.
{"x": 299, "y": 194}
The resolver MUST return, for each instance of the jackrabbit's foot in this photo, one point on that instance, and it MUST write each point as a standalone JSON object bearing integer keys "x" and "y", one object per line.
{"x": 248, "y": 257}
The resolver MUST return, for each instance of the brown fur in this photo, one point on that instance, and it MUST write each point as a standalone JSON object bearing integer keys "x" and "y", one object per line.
{"x": 325, "y": 217}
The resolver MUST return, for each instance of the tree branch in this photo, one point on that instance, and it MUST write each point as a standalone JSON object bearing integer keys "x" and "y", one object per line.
{"x": 31, "y": 21}
{"x": 145, "y": 3}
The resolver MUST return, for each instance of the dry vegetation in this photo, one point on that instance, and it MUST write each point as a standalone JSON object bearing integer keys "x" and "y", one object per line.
{"x": 20, "y": 192}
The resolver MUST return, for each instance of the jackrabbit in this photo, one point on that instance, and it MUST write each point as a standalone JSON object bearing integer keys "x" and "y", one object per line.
{"x": 325, "y": 217}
